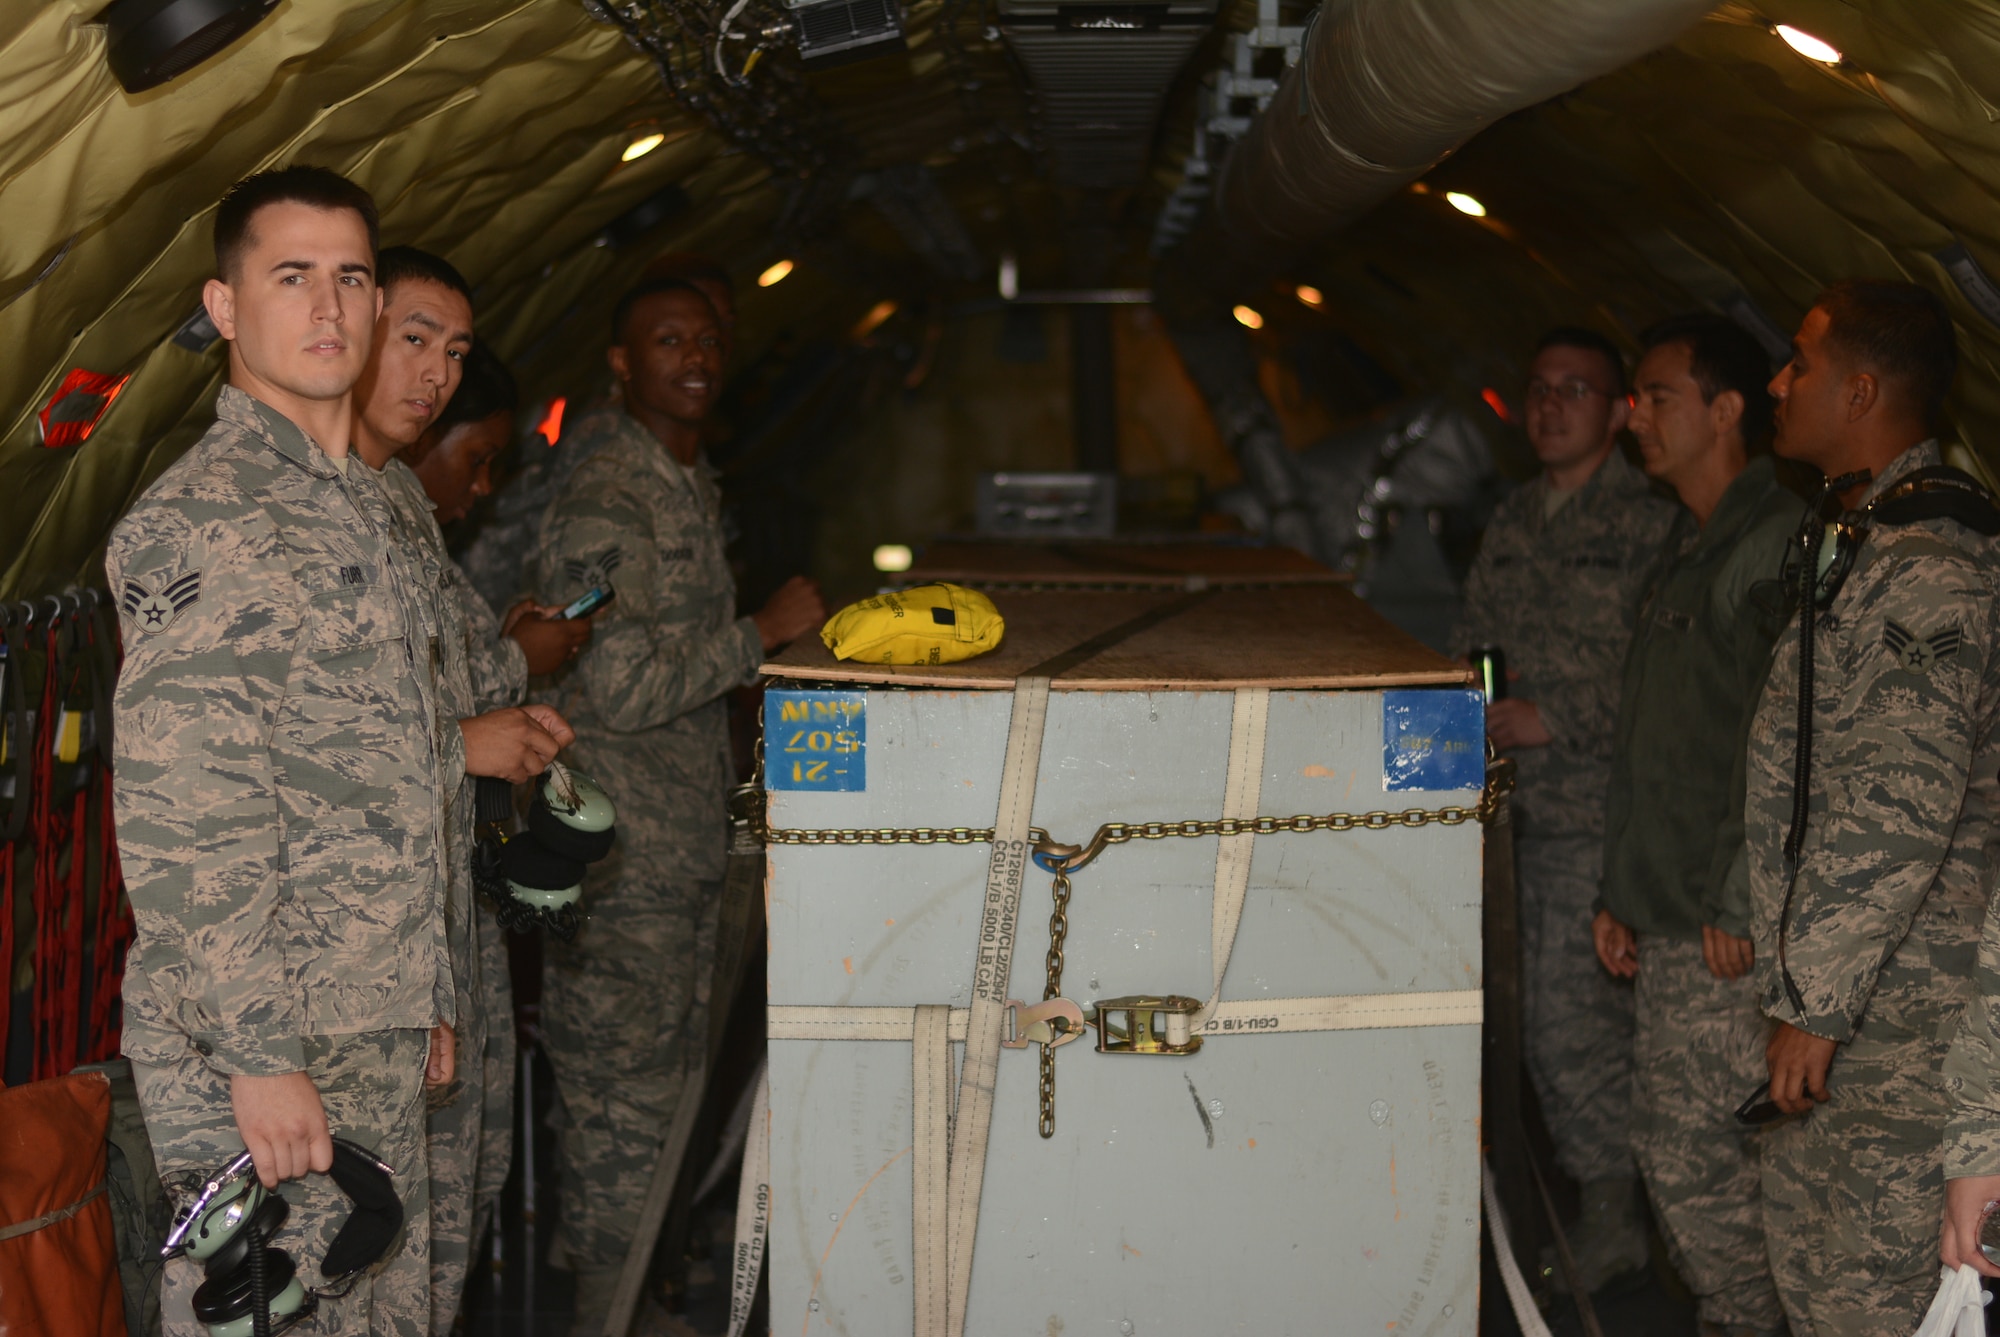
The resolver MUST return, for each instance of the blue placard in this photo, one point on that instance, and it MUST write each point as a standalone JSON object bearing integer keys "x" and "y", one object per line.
{"x": 1433, "y": 740}
{"x": 816, "y": 741}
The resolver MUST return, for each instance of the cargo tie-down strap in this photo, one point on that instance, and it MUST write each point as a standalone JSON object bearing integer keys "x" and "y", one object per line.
{"x": 948, "y": 1152}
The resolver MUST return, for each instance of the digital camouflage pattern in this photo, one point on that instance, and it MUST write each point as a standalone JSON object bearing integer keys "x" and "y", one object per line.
{"x": 372, "y": 1088}
{"x": 500, "y": 558}
{"x": 480, "y": 670}
{"x": 623, "y": 1006}
{"x": 1887, "y": 908}
{"x": 1576, "y": 1020}
{"x": 1559, "y": 594}
{"x": 280, "y": 759}
{"x": 1699, "y": 1051}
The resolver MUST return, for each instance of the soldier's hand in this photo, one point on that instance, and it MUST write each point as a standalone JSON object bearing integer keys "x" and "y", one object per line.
{"x": 511, "y": 744}
{"x": 1965, "y": 1204}
{"x": 283, "y": 1125}
{"x": 1513, "y": 724}
{"x": 1617, "y": 947}
{"x": 552, "y": 723}
{"x": 548, "y": 641}
{"x": 442, "y": 1065}
{"x": 1728, "y": 956}
{"x": 1798, "y": 1063}
{"x": 790, "y": 613}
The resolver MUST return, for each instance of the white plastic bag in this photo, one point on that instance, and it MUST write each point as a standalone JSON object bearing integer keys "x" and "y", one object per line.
{"x": 1959, "y": 1310}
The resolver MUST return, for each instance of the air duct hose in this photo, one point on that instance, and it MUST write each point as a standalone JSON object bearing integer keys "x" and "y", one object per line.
{"x": 1386, "y": 89}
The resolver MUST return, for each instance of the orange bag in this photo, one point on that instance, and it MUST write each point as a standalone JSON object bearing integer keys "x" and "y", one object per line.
{"x": 58, "y": 1265}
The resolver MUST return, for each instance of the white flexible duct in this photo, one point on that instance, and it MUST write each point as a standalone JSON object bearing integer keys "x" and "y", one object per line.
{"x": 1385, "y": 89}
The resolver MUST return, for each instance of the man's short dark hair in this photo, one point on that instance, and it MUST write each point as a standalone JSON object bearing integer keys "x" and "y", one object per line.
{"x": 316, "y": 187}
{"x": 1590, "y": 341}
{"x": 1722, "y": 355}
{"x": 638, "y": 292}
{"x": 486, "y": 388}
{"x": 692, "y": 268}
{"x": 1900, "y": 331}
{"x": 402, "y": 264}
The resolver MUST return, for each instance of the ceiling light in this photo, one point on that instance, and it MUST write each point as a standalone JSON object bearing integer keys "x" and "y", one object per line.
{"x": 642, "y": 146}
{"x": 877, "y": 313}
{"x": 893, "y": 557}
{"x": 1311, "y": 296}
{"x": 775, "y": 274}
{"x": 1249, "y": 317}
{"x": 1808, "y": 46}
{"x": 1464, "y": 203}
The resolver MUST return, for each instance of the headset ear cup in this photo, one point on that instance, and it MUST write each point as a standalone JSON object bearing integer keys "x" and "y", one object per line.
{"x": 226, "y": 1296}
{"x": 525, "y": 860}
{"x": 372, "y": 1226}
{"x": 569, "y": 841}
{"x": 268, "y": 1217}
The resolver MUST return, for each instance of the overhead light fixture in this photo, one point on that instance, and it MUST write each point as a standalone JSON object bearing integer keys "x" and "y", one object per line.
{"x": 642, "y": 146}
{"x": 1249, "y": 317}
{"x": 1311, "y": 296}
{"x": 147, "y": 42}
{"x": 1465, "y": 203}
{"x": 893, "y": 557}
{"x": 776, "y": 274}
{"x": 1010, "y": 277}
{"x": 1812, "y": 48}
{"x": 871, "y": 322}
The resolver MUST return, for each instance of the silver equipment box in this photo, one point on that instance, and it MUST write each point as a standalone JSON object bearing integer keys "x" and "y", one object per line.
{"x": 1323, "y": 1182}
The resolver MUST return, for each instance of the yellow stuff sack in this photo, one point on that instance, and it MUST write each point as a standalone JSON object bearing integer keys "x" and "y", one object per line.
{"x": 931, "y": 624}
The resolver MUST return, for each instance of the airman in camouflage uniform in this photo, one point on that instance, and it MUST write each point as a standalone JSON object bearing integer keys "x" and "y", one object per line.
{"x": 279, "y": 779}
{"x": 481, "y": 670}
{"x": 624, "y": 1006}
{"x": 423, "y": 376}
{"x": 1556, "y": 585}
{"x": 1676, "y": 897}
{"x": 1865, "y": 951}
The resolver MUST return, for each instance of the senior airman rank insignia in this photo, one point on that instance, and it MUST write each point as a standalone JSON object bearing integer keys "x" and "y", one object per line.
{"x": 152, "y": 612}
{"x": 1920, "y": 654}
{"x": 597, "y": 571}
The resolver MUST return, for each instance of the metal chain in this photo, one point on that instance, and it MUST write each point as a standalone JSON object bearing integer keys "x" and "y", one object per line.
{"x": 1058, "y": 932}
{"x": 1499, "y": 783}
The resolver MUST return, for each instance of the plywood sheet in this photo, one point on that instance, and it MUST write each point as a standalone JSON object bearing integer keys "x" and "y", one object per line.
{"x": 985, "y": 563}
{"x": 1311, "y": 636}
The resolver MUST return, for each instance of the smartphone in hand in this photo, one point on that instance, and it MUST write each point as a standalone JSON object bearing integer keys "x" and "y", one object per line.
{"x": 589, "y": 603}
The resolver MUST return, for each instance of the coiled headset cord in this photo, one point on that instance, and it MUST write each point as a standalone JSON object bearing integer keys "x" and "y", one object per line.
{"x": 1795, "y": 838}
{"x": 260, "y": 1299}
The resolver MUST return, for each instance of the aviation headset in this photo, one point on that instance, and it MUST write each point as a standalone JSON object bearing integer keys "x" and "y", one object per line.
{"x": 1822, "y": 556}
{"x": 535, "y": 879}
{"x": 228, "y": 1227}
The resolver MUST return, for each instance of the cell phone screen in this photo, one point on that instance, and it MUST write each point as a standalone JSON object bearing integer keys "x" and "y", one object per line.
{"x": 589, "y": 603}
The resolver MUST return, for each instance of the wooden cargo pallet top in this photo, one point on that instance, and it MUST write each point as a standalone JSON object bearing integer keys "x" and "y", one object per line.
{"x": 1312, "y": 636}
{"x": 1172, "y": 565}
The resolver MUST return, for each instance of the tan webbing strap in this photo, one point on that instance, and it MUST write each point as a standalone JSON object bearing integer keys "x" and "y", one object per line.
{"x": 1240, "y": 795}
{"x": 753, "y": 1209}
{"x": 994, "y": 961}
{"x": 55, "y": 1218}
{"x": 930, "y": 1100}
{"x": 784, "y": 1022}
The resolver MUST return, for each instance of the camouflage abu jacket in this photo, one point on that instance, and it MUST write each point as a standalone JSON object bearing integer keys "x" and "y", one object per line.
{"x": 646, "y": 696}
{"x": 280, "y": 764}
{"x": 1899, "y": 856}
{"x": 1559, "y": 594}
{"x": 478, "y": 670}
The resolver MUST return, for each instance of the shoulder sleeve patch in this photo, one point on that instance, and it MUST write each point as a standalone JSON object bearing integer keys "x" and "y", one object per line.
{"x": 153, "y": 611}
{"x": 591, "y": 572}
{"x": 1920, "y": 654}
